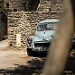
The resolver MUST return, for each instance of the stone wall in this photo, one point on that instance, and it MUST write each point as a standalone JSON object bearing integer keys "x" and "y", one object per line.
{"x": 33, "y": 5}
{"x": 14, "y": 4}
{"x": 20, "y": 5}
{"x": 16, "y": 24}
{"x": 24, "y": 23}
{"x": 57, "y": 5}
{"x": 23, "y": 16}
{"x": 34, "y": 17}
{"x": 44, "y": 6}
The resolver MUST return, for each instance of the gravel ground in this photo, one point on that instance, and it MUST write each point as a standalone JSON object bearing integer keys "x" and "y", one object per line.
{"x": 18, "y": 63}
{"x": 14, "y": 61}
{"x": 3, "y": 44}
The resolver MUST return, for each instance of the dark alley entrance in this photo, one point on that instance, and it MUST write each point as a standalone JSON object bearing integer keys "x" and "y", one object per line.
{"x": 4, "y": 24}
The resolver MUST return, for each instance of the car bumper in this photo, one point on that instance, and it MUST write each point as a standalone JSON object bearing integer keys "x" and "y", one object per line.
{"x": 40, "y": 49}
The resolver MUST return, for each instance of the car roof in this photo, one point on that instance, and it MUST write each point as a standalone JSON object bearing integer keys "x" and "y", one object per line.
{"x": 49, "y": 20}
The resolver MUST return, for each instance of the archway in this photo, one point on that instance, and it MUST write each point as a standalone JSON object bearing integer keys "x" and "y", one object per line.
{"x": 31, "y": 5}
{"x": 4, "y": 23}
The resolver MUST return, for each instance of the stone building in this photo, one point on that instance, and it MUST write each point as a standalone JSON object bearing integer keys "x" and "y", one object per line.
{"x": 57, "y": 5}
{"x": 23, "y": 16}
{"x": 32, "y": 5}
{"x": 19, "y": 5}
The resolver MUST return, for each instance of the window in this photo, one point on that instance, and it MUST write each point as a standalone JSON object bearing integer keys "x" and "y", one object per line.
{"x": 7, "y": 5}
{"x": 15, "y": 10}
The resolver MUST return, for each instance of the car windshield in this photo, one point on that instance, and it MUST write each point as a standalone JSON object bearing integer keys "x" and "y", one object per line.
{"x": 46, "y": 26}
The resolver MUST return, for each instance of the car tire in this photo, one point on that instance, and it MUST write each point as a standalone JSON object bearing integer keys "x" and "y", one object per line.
{"x": 29, "y": 52}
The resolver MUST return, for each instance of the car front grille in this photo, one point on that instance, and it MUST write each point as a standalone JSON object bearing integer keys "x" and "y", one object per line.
{"x": 42, "y": 46}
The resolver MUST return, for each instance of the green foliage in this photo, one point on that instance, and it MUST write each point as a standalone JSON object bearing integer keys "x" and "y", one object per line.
{"x": 49, "y": 9}
{"x": 1, "y": 32}
{"x": 1, "y": 28}
{"x": 73, "y": 50}
{"x": 1, "y": 5}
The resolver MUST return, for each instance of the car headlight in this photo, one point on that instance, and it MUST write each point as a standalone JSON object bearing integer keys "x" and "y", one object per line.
{"x": 29, "y": 40}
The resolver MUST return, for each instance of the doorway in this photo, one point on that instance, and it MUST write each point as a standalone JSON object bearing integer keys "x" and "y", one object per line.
{"x": 4, "y": 23}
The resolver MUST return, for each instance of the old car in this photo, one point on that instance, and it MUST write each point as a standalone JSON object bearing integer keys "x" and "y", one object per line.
{"x": 43, "y": 37}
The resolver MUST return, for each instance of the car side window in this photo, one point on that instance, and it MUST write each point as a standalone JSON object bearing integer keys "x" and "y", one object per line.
{"x": 50, "y": 27}
{"x": 40, "y": 28}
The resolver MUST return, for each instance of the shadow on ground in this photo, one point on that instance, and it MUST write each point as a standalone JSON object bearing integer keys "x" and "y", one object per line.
{"x": 35, "y": 66}
{"x": 70, "y": 65}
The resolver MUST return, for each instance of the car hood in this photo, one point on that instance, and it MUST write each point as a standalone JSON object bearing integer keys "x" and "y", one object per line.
{"x": 43, "y": 36}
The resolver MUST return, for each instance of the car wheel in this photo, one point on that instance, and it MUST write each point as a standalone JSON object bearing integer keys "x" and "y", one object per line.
{"x": 29, "y": 52}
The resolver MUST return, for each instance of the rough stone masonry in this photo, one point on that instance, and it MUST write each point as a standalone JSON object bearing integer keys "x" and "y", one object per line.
{"x": 24, "y": 22}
